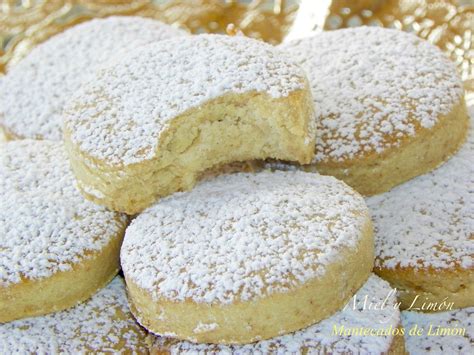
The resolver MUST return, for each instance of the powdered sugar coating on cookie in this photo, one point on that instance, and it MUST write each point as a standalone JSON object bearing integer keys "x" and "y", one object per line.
{"x": 431, "y": 343}
{"x": 46, "y": 225}
{"x": 243, "y": 236}
{"x": 102, "y": 324}
{"x": 320, "y": 338}
{"x": 119, "y": 116}
{"x": 429, "y": 221}
{"x": 34, "y": 92}
{"x": 373, "y": 88}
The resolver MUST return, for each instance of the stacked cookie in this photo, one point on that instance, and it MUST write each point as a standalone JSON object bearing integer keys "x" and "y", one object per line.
{"x": 257, "y": 262}
{"x": 389, "y": 107}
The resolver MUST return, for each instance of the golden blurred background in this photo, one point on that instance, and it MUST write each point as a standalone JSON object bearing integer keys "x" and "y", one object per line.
{"x": 447, "y": 23}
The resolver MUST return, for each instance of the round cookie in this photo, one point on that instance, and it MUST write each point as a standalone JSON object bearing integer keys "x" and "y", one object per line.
{"x": 342, "y": 333}
{"x": 150, "y": 124}
{"x": 443, "y": 333}
{"x": 389, "y": 105}
{"x": 102, "y": 324}
{"x": 424, "y": 230}
{"x": 34, "y": 92}
{"x": 247, "y": 257}
{"x": 56, "y": 248}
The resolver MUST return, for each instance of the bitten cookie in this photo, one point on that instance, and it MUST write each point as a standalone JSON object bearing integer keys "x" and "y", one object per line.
{"x": 441, "y": 333}
{"x": 356, "y": 329}
{"x": 389, "y": 105}
{"x": 56, "y": 248}
{"x": 34, "y": 92}
{"x": 424, "y": 235}
{"x": 149, "y": 125}
{"x": 247, "y": 257}
{"x": 102, "y": 325}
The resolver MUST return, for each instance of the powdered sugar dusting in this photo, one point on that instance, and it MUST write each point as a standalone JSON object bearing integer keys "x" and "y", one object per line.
{"x": 373, "y": 88}
{"x": 319, "y": 338}
{"x": 102, "y": 324}
{"x": 120, "y": 115}
{"x": 205, "y": 327}
{"x": 429, "y": 221}
{"x": 242, "y": 236}
{"x": 440, "y": 344}
{"x": 34, "y": 92}
{"x": 45, "y": 224}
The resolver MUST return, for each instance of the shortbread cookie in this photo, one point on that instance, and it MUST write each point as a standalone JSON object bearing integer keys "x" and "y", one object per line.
{"x": 440, "y": 333}
{"x": 424, "y": 235}
{"x": 389, "y": 106}
{"x": 149, "y": 125}
{"x": 56, "y": 248}
{"x": 355, "y": 329}
{"x": 102, "y": 324}
{"x": 247, "y": 257}
{"x": 34, "y": 92}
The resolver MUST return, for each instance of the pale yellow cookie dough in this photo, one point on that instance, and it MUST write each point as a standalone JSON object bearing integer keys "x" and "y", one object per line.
{"x": 389, "y": 105}
{"x": 246, "y": 257}
{"x": 424, "y": 235}
{"x": 149, "y": 125}
{"x": 100, "y": 325}
{"x": 337, "y": 334}
{"x": 56, "y": 248}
